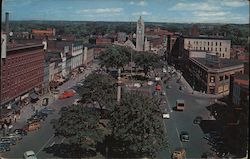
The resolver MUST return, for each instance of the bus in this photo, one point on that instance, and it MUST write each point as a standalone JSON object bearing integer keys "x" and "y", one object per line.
{"x": 180, "y": 104}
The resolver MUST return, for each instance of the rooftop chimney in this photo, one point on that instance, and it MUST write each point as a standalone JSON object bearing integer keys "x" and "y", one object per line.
{"x": 7, "y": 25}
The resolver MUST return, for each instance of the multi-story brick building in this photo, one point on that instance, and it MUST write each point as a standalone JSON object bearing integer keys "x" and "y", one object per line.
{"x": 211, "y": 44}
{"x": 22, "y": 72}
{"x": 211, "y": 76}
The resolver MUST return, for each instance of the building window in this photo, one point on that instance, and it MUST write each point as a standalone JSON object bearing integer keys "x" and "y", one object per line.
{"x": 220, "y": 49}
{"x": 204, "y": 48}
{"x": 220, "y": 43}
{"x": 211, "y": 49}
{"x": 221, "y": 78}
{"x": 222, "y": 55}
{"x": 208, "y": 48}
{"x": 215, "y": 43}
{"x": 211, "y": 43}
{"x": 200, "y": 48}
{"x": 215, "y": 49}
{"x": 212, "y": 79}
{"x": 225, "y": 49}
{"x": 208, "y": 43}
{"x": 188, "y": 42}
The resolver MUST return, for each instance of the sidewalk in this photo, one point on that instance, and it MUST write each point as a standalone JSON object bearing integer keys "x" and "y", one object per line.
{"x": 27, "y": 111}
{"x": 190, "y": 90}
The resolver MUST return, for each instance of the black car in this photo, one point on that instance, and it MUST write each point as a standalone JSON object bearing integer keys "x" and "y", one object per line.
{"x": 184, "y": 136}
{"x": 20, "y": 132}
{"x": 4, "y": 147}
{"x": 197, "y": 120}
{"x": 39, "y": 116}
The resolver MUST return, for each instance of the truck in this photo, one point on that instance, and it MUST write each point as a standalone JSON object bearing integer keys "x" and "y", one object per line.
{"x": 180, "y": 104}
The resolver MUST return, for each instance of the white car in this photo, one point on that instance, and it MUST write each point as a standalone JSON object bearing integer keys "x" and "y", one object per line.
{"x": 137, "y": 85}
{"x": 157, "y": 78}
{"x": 166, "y": 115}
{"x": 150, "y": 83}
{"x": 29, "y": 155}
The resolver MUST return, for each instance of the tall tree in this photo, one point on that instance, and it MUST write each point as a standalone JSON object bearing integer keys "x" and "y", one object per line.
{"x": 114, "y": 57}
{"x": 137, "y": 126}
{"x": 81, "y": 126}
{"x": 147, "y": 61}
{"x": 100, "y": 88}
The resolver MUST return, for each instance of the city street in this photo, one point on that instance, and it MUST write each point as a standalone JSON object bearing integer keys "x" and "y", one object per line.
{"x": 183, "y": 121}
{"x": 44, "y": 137}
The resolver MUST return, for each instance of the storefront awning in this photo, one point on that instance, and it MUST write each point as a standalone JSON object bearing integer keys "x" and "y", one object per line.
{"x": 33, "y": 95}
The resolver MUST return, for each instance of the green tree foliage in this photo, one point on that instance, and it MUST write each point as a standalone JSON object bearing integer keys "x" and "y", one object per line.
{"x": 114, "y": 57}
{"x": 137, "y": 126}
{"x": 147, "y": 60}
{"x": 81, "y": 126}
{"x": 100, "y": 88}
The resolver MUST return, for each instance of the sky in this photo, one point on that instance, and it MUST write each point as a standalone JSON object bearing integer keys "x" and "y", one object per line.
{"x": 179, "y": 11}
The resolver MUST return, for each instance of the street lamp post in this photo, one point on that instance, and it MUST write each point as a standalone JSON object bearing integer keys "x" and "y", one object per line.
{"x": 119, "y": 82}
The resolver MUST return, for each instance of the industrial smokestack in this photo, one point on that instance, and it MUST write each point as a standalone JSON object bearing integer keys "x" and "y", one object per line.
{"x": 7, "y": 25}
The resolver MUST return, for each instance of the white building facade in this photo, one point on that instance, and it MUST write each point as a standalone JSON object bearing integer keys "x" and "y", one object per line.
{"x": 208, "y": 44}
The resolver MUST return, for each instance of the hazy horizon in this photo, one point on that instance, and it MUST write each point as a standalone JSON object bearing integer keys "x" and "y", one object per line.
{"x": 158, "y": 11}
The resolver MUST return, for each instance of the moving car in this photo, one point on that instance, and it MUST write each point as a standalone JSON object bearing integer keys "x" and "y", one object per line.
{"x": 180, "y": 104}
{"x": 166, "y": 115}
{"x": 197, "y": 120}
{"x": 184, "y": 136}
{"x": 32, "y": 126}
{"x": 29, "y": 155}
{"x": 179, "y": 153}
{"x": 67, "y": 94}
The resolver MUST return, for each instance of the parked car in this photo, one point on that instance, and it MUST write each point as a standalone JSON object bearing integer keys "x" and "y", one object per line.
{"x": 47, "y": 110}
{"x": 4, "y": 147}
{"x": 184, "y": 136}
{"x": 20, "y": 132}
{"x": 29, "y": 155}
{"x": 197, "y": 120}
{"x": 67, "y": 94}
{"x": 15, "y": 136}
{"x": 38, "y": 116}
{"x": 8, "y": 140}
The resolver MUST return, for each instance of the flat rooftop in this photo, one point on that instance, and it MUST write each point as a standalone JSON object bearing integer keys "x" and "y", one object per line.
{"x": 206, "y": 37}
{"x": 12, "y": 47}
{"x": 224, "y": 63}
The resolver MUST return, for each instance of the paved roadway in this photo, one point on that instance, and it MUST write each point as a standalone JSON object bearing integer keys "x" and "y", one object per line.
{"x": 44, "y": 137}
{"x": 183, "y": 121}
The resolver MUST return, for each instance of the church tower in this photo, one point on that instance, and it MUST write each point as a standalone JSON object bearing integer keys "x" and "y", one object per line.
{"x": 140, "y": 35}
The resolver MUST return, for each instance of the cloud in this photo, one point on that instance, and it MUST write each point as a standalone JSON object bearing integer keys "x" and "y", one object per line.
{"x": 210, "y": 14}
{"x": 229, "y": 3}
{"x": 195, "y": 6}
{"x": 132, "y": 3}
{"x": 145, "y": 13}
{"x": 142, "y": 3}
{"x": 101, "y": 10}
